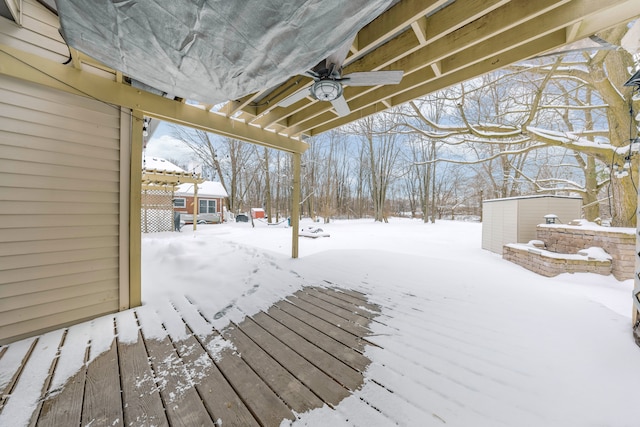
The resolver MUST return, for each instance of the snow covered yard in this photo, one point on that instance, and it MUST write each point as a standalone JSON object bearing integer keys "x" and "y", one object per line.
{"x": 468, "y": 338}
{"x": 465, "y": 338}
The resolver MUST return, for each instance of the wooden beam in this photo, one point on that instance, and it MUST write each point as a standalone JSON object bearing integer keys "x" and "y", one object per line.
{"x": 430, "y": 85}
{"x": 75, "y": 58}
{"x": 572, "y": 32}
{"x": 232, "y": 107}
{"x": 419, "y": 27}
{"x": 124, "y": 233}
{"x": 436, "y": 26}
{"x": 437, "y": 68}
{"x": 440, "y": 47}
{"x": 531, "y": 24}
{"x": 395, "y": 20}
{"x": 151, "y": 176}
{"x": 33, "y": 68}
{"x": 399, "y": 46}
{"x": 291, "y": 86}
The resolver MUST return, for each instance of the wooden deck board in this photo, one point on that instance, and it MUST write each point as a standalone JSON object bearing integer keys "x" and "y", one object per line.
{"x": 218, "y": 396}
{"x": 266, "y": 406}
{"x": 139, "y": 390}
{"x": 346, "y": 354}
{"x": 182, "y": 403}
{"x": 348, "y": 315}
{"x": 295, "y": 394}
{"x": 333, "y": 367}
{"x": 102, "y": 402}
{"x": 302, "y": 353}
{"x": 347, "y": 305}
{"x": 20, "y": 354}
{"x": 65, "y": 408}
{"x": 356, "y": 298}
{"x": 324, "y": 386}
{"x": 322, "y": 325}
{"x": 322, "y": 313}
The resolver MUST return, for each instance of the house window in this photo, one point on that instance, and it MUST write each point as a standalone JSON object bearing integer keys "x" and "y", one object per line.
{"x": 179, "y": 203}
{"x": 207, "y": 206}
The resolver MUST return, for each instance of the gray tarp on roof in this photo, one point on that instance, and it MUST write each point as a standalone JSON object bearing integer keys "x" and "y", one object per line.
{"x": 213, "y": 50}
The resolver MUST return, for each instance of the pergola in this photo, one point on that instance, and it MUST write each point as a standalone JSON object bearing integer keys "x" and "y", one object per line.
{"x": 163, "y": 181}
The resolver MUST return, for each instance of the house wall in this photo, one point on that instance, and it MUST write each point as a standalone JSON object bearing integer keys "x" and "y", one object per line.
{"x": 39, "y": 33}
{"x": 189, "y": 203}
{"x": 63, "y": 244}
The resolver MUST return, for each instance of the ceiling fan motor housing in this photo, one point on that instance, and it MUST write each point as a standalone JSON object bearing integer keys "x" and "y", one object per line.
{"x": 326, "y": 90}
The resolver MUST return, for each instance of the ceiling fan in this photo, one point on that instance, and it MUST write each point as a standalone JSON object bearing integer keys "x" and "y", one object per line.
{"x": 328, "y": 81}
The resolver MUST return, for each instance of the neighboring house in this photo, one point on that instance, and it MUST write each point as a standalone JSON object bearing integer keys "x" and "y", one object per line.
{"x": 211, "y": 197}
{"x": 160, "y": 164}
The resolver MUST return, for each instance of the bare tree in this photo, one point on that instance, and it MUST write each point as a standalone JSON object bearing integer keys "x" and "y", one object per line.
{"x": 551, "y": 124}
{"x": 382, "y": 150}
{"x": 226, "y": 159}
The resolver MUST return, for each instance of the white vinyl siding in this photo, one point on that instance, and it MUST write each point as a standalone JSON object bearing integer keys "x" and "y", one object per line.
{"x": 59, "y": 208}
{"x": 514, "y": 220}
{"x": 38, "y": 34}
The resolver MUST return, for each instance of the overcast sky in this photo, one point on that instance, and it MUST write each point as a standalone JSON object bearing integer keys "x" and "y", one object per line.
{"x": 162, "y": 144}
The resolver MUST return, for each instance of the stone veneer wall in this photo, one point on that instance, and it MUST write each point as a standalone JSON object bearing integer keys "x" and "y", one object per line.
{"x": 549, "y": 264}
{"x": 569, "y": 239}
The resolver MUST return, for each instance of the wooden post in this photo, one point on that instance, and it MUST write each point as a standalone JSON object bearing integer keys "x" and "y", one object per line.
{"x": 195, "y": 205}
{"x": 635, "y": 313}
{"x": 295, "y": 205}
{"x": 125, "y": 210}
{"x": 135, "y": 204}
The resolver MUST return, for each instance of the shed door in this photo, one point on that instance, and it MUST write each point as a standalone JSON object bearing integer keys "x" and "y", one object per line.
{"x": 59, "y": 208}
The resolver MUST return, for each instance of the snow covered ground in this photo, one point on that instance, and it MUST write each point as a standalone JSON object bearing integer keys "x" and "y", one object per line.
{"x": 466, "y": 338}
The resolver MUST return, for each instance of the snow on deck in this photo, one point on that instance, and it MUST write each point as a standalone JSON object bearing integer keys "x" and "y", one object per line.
{"x": 462, "y": 338}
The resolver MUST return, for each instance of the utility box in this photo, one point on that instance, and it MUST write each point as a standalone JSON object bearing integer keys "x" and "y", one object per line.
{"x": 514, "y": 219}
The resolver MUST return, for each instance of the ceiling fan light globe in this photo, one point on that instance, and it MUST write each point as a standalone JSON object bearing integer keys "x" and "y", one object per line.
{"x": 326, "y": 90}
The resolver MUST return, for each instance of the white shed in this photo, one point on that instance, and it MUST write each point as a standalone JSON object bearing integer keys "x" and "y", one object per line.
{"x": 514, "y": 219}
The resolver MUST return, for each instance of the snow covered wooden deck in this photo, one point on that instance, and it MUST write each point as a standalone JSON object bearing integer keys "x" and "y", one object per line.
{"x": 304, "y": 352}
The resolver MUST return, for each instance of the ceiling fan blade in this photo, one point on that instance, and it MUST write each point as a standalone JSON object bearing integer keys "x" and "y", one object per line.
{"x": 373, "y": 78}
{"x": 341, "y": 106}
{"x": 294, "y": 97}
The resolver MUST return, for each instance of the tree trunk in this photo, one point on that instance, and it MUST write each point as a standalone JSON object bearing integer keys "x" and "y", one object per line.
{"x": 267, "y": 186}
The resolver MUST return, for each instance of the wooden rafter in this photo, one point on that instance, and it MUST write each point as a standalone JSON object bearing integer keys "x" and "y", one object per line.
{"x": 436, "y": 44}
